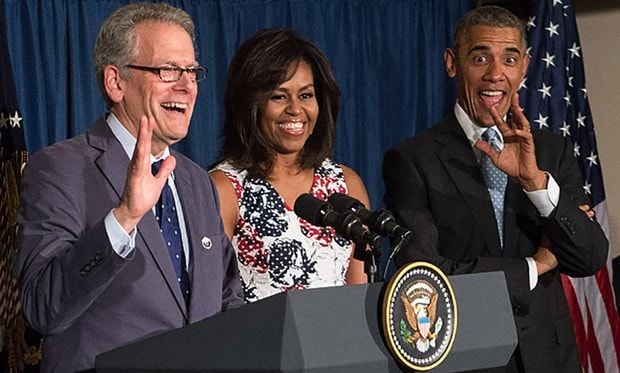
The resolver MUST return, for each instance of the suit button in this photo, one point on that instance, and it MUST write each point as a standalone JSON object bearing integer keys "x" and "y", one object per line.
{"x": 82, "y": 272}
{"x": 98, "y": 257}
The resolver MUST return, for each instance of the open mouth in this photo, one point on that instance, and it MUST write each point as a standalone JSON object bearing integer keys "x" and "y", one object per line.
{"x": 175, "y": 106}
{"x": 490, "y": 98}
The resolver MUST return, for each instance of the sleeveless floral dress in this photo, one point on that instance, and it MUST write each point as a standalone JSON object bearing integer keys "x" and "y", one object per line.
{"x": 276, "y": 249}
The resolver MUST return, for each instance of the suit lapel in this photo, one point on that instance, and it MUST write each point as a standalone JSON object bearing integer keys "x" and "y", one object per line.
{"x": 462, "y": 166}
{"x": 194, "y": 215}
{"x": 113, "y": 163}
{"x": 510, "y": 218}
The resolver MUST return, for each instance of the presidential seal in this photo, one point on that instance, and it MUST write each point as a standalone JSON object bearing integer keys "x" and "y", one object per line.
{"x": 419, "y": 316}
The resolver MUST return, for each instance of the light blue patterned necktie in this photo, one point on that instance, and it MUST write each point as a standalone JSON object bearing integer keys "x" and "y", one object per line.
{"x": 496, "y": 181}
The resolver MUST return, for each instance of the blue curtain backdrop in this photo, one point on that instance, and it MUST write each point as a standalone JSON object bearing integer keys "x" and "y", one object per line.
{"x": 386, "y": 54}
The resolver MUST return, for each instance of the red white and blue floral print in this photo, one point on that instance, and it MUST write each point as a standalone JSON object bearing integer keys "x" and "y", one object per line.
{"x": 277, "y": 250}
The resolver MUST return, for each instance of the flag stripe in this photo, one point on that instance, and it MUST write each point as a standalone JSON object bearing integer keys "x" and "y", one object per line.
{"x": 594, "y": 353}
{"x": 554, "y": 96}
{"x": 609, "y": 316}
{"x": 575, "y": 311}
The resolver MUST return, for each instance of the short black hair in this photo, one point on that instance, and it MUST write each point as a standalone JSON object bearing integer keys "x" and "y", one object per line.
{"x": 488, "y": 15}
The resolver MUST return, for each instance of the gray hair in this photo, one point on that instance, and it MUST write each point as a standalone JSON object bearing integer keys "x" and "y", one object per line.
{"x": 489, "y": 15}
{"x": 116, "y": 41}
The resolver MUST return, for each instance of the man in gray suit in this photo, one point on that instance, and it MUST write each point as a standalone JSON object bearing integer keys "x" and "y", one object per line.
{"x": 95, "y": 270}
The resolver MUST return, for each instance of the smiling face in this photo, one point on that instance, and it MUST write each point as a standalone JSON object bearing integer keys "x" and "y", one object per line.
{"x": 289, "y": 116}
{"x": 140, "y": 93}
{"x": 490, "y": 64}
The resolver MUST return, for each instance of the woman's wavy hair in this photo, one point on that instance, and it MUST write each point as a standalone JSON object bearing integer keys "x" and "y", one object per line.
{"x": 260, "y": 65}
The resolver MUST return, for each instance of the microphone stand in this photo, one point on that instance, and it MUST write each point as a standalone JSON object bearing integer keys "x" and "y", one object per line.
{"x": 370, "y": 260}
{"x": 395, "y": 250}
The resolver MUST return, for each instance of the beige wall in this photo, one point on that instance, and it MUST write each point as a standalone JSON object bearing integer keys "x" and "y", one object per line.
{"x": 599, "y": 31}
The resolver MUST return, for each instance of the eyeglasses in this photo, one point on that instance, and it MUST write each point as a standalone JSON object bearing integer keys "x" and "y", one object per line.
{"x": 174, "y": 73}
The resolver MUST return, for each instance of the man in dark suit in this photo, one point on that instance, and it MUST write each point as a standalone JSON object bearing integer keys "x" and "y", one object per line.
{"x": 513, "y": 203}
{"x": 96, "y": 271}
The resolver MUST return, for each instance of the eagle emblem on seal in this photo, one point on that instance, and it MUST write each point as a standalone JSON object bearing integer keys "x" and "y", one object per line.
{"x": 422, "y": 325}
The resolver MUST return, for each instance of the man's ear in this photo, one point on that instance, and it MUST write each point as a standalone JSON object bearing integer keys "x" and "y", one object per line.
{"x": 113, "y": 83}
{"x": 449, "y": 58}
{"x": 526, "y": 63}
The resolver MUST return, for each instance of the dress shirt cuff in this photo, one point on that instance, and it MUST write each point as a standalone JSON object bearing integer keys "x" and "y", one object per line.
{"x": 545, "y": 200}
{"x": 532, "y": 271}
{"x": 122, "y": 242}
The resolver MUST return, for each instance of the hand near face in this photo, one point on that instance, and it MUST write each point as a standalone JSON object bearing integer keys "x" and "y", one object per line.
{"x": 518, "y": 158}
{"x": 142, "y": 189}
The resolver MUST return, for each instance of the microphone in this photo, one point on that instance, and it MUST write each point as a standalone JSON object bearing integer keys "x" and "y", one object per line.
{"x": 322, "y": 214}
{"x": 379, "y": 221}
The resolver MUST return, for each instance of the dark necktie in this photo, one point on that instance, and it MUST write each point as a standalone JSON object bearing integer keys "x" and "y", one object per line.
{"x": 496, "y": 181}
{"x": 166, "y": 214}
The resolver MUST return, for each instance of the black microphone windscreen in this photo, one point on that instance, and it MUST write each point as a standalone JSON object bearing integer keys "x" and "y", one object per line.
{"x": 312, "y": 209}
{"x": 343, "y": 202}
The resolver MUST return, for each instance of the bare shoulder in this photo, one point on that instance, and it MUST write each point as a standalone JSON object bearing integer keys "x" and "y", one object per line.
{"x": 356, "y": 186}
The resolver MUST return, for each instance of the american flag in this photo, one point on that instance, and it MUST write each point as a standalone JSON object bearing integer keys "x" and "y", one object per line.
{"x": 554, "y": 97}
{"x": 19, "y": 348}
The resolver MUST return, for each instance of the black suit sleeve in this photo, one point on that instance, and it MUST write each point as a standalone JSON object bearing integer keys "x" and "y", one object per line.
{"x": 578, "y": 243}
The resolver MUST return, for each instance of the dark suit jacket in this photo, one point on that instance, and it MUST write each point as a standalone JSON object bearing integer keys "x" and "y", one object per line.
{"x": 76, "y": 290}
{"x": 434, "y": 186}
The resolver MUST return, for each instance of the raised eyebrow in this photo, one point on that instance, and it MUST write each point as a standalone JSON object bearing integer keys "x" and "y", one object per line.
{"x": 478, "y": 48}
{"x": 484, "y": 48}
{"x": 514, "y": 50}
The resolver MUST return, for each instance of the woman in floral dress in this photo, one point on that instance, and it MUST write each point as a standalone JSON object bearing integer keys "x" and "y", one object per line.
{"x": 281, "y": 106}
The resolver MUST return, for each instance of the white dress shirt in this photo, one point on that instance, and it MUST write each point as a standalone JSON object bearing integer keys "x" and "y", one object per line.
{"x": 545, "y": 200}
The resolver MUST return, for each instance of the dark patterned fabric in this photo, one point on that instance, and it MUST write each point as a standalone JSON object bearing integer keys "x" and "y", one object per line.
{"x": 279, "y": 251}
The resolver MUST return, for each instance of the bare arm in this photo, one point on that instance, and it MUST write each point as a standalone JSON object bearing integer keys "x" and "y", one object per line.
{"x": 229, "y": 207}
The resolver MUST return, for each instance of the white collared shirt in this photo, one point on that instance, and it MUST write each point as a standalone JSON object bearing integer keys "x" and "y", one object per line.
{"x": 122, "y": 242}
{"x": 545, "y": 200}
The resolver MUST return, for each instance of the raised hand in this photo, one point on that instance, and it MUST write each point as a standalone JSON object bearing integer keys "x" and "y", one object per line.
{"x": 518, "y": 158}
{"x": 142, "y": 189}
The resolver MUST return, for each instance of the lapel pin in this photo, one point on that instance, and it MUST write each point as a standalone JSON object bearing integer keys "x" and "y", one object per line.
{"x": 206, "y": 242}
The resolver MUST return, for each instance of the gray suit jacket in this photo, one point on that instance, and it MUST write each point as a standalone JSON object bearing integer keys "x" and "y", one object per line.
{"x": 75, "y": 289}
{"x": 435, "y": 187}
